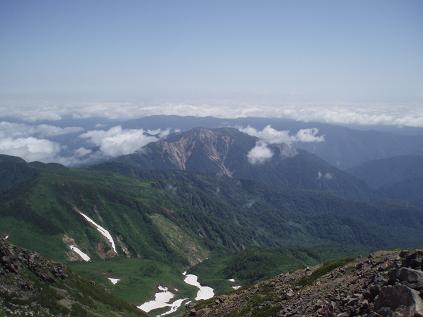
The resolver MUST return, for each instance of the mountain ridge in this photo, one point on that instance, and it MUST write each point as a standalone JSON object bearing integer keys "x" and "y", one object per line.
{"x": 224, "y": 152}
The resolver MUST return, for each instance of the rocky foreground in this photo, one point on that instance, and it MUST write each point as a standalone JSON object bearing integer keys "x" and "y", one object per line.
{"x": 384, "y": 284}
{"x": 31, "y": 285}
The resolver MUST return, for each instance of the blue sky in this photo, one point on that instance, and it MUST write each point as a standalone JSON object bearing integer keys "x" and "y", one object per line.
{"x": 350, "y": 51}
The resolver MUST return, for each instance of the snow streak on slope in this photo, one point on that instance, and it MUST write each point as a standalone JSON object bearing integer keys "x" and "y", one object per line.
{"x": 100, "y": 229}
{"x": 113, "y": 280}
{"x": 83, "y": 255}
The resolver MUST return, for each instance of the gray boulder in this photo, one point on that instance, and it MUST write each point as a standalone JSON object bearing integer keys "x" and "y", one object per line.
{"x": 399, "y": 300}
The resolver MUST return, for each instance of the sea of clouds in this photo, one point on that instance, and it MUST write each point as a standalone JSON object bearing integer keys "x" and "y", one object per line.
{"x": 34, "y": 133}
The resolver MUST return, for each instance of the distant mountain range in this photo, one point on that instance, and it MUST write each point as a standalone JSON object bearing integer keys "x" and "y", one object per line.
{"x": 399, "y": 177}
{"x": 344, "y": 146}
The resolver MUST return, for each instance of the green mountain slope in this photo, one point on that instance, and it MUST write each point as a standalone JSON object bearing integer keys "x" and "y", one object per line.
{"x": 399, "y": 178}
{"x": 163, "y": 222}
{"x": 31, "y": 285}
{"x": 179, "y": 217}
{"x": 387, "y": 172}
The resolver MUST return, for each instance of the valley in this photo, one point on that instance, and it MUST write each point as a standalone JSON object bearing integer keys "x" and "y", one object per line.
{"x": 193, "y": 204}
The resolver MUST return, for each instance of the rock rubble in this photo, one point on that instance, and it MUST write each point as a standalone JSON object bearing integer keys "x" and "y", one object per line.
{"x": 383, "y": 284}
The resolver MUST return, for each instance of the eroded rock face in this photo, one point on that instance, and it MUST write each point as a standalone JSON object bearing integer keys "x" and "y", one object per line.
{"x": 384, "y": 284}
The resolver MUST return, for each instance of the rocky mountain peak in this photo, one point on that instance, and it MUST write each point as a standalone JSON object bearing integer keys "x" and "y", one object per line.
{"x": 212, "y": 145}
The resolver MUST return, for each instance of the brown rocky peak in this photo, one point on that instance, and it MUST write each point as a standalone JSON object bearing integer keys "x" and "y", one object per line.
{"x": 213, "y": 144}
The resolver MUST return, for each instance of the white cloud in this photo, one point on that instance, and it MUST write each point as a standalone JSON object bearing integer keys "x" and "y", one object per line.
{"x": 81, "y": 152}
{"x": 159, "y": 132}
{"x": 260, "y": 153}
{"x": 117, "y": 141}
{"x": 12, "y": 129}
{"x": 30, "y": 149}
{"x": 309, "y": 136}
{"x": 273, "y": 136}
{"x": 368, "y": 114}
{"x": 269, "y": 135}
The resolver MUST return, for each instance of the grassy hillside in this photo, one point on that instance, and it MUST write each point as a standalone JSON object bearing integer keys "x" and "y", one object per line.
{"x": 165, "y": 222}
{"x": 32, "y": 285}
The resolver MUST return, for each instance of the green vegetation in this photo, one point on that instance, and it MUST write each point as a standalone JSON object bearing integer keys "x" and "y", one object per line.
{"x": 325, "y": 268}
{"x": 252, "y": 265}
{"x": 163, "y": 222}
{"x": 72, "y": 295}
{"x": 138, "y": 278}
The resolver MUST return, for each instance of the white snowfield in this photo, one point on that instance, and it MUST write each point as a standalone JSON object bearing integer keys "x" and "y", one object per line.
{"x": 164, "y": 296}
{"x": 84, "y": 256}
{"x": 174, "y": 306}
{"x": 236, "y": 287}
{"x": 204, "y": 292}
{"x": 161, "y": 300}
{"x": 100, "y": 229}
{"x": 113, "y": 280}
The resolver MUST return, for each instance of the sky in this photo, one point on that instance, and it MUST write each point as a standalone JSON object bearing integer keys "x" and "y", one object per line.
{"x": 261, "y": 52}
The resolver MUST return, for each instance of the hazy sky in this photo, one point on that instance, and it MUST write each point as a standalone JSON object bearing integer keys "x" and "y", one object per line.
{"x": 350, "y": 51}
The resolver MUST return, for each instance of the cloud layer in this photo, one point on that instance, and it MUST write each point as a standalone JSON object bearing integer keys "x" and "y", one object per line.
{"x": 397, "y": 115}
{"x": 13, "y": 129}
{"x": 31, "y": 141}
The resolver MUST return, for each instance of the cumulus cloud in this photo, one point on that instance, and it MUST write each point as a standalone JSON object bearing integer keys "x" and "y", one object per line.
{"x": 309, "y": 136}
{"x": 31, "y": 142}
{"x": 273, "y": 136}
{"x": 117, "y": 141}
{"x": 260, "y": 153}
{"x": 269, "y": 135}
{"x": 30, "y": 149}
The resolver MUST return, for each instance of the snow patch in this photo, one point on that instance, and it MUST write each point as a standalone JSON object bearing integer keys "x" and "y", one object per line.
{"x": 236, "y": 287}
{"x": 161, "y": 300}
{"x": 83, "y": 255}
{"x": 100, "y": 229}
{"x": 232, "y": 280}
{"x": 204, "y": 292}
{"x": 174, "y": 306}
{"x": 113, "y": 280}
